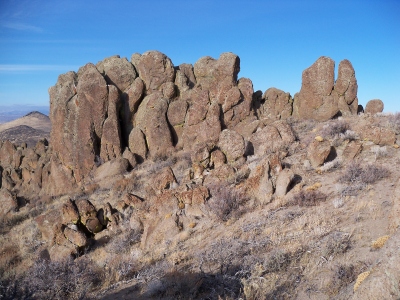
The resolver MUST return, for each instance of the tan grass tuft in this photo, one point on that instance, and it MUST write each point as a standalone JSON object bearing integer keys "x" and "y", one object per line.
{"x": 319, "y": 138}
{"x": 314, "y": 187}
{"x": 192, "y": 225}
{"x": 360, "y": 279}
{"x": 380, "y": 242}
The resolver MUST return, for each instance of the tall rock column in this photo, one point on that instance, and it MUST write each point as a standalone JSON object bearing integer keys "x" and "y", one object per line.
{"x": 78, "y": 107}
{"x": 320, "y": 98}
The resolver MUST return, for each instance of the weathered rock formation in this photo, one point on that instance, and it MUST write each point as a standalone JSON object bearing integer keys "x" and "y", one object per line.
{"x": 125, "y": 112}
{"x": 320, "y": 97}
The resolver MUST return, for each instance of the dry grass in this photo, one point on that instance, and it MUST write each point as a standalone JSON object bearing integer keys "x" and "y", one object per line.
{"x": 308, "y": 198}
{"x": 360, "y": 279}
{"x": 380, "y": 242}
{"x": 225, "y": 201}
{"x": 334, "y": 128}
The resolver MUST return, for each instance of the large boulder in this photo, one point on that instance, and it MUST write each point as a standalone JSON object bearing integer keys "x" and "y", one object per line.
{"x": 378, "y": 135}
{"x": 76, "y": 237}
{"x": 283, "y": 182}
{"x": 219, "y": 78}
{"x": 231, "y": 144}
{"x": 374, "y": 106}
{"x": 117, "y": 71}
{"x": 185, "y": 78}
{"x": 155, "y": 69}
{"x": 318, "y": 152}
{"x": 7, "y": 151}
{"x": 176, "y": 117}
{"x": 206, "y": 131}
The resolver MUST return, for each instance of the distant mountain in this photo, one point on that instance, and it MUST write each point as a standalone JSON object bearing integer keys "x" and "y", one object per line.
{"x": 12, "y": 112}
{"x": 29, "y": 129}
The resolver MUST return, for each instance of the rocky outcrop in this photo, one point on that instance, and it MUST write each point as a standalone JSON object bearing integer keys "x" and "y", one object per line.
{"x": 320, "y": 98}
{"x": 147, "y": 108}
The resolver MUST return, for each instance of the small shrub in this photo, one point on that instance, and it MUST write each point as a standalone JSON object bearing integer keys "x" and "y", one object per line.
{"x": 334, "y": 129}
{"x": 379, "y": 151}
{"x": 338, "y": 202}
{"x": 356, "y": 174}
{"x": 225, "y": 201}
{"x": 373, "y": 173}
{"x": 338, "y": 243}
{"x": 65, "y": 279}
{"x": 343, "y": 276}
{"x": 123, "y": 242}
{"x": 352, "y": 173}
{"x": 308, "y": 198}
{"x": 349, "y": 135}
{"x": 394, "y": 122}
{"x": 277, "y": 260}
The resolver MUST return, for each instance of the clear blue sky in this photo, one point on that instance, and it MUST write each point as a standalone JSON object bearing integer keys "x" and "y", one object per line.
{"x": 275, "y": 40}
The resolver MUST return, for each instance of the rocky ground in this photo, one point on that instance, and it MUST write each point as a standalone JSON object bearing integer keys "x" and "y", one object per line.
{"x": 184, "y": 183}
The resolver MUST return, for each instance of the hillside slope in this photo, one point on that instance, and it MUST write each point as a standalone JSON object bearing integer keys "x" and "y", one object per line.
{"x": 27, "y": 129}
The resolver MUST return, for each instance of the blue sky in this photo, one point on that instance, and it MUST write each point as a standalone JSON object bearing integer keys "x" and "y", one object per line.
{"x": 275, "y": 40}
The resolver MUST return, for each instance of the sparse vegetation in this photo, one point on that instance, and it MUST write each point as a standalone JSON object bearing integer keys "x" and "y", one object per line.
{"x": 334, "y": 129}
{"x": 355, "y": 173}
{"x": 308, "y": 198}
{"x": 225, "y": 201}
{"x": 198, "y": 238}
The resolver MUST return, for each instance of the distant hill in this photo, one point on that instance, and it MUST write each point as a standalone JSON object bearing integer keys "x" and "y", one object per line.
{"x": 29, "y": 128}
{"x": 12, "y": 112}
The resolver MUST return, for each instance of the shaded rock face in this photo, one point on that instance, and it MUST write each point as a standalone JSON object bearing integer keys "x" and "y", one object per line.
{"x": 320, "y": 98}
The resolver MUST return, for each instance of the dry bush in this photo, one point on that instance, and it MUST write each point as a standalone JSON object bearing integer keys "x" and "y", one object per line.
{"x": 65, "y": 279}
{"x": 334, "y": 129}
{"x": 225, "y": 201}
{"x": 223, "y": 257}
{"x": 342, "y": 277}
{"x": 394, "y": 122}
{"x": 337, "y": 243}
{"x": 301, "y": 127}
{"x": 379, "y": 151}
{"x": 338, "y": 202}
{"x": 175, "y": 285}
{"x": 123, "y": 242}
{"x": 276, "y": 261}
{"x": 357, "y": 174}
{"x": 308, "y": 198}
{"x": 9, "y": 259}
